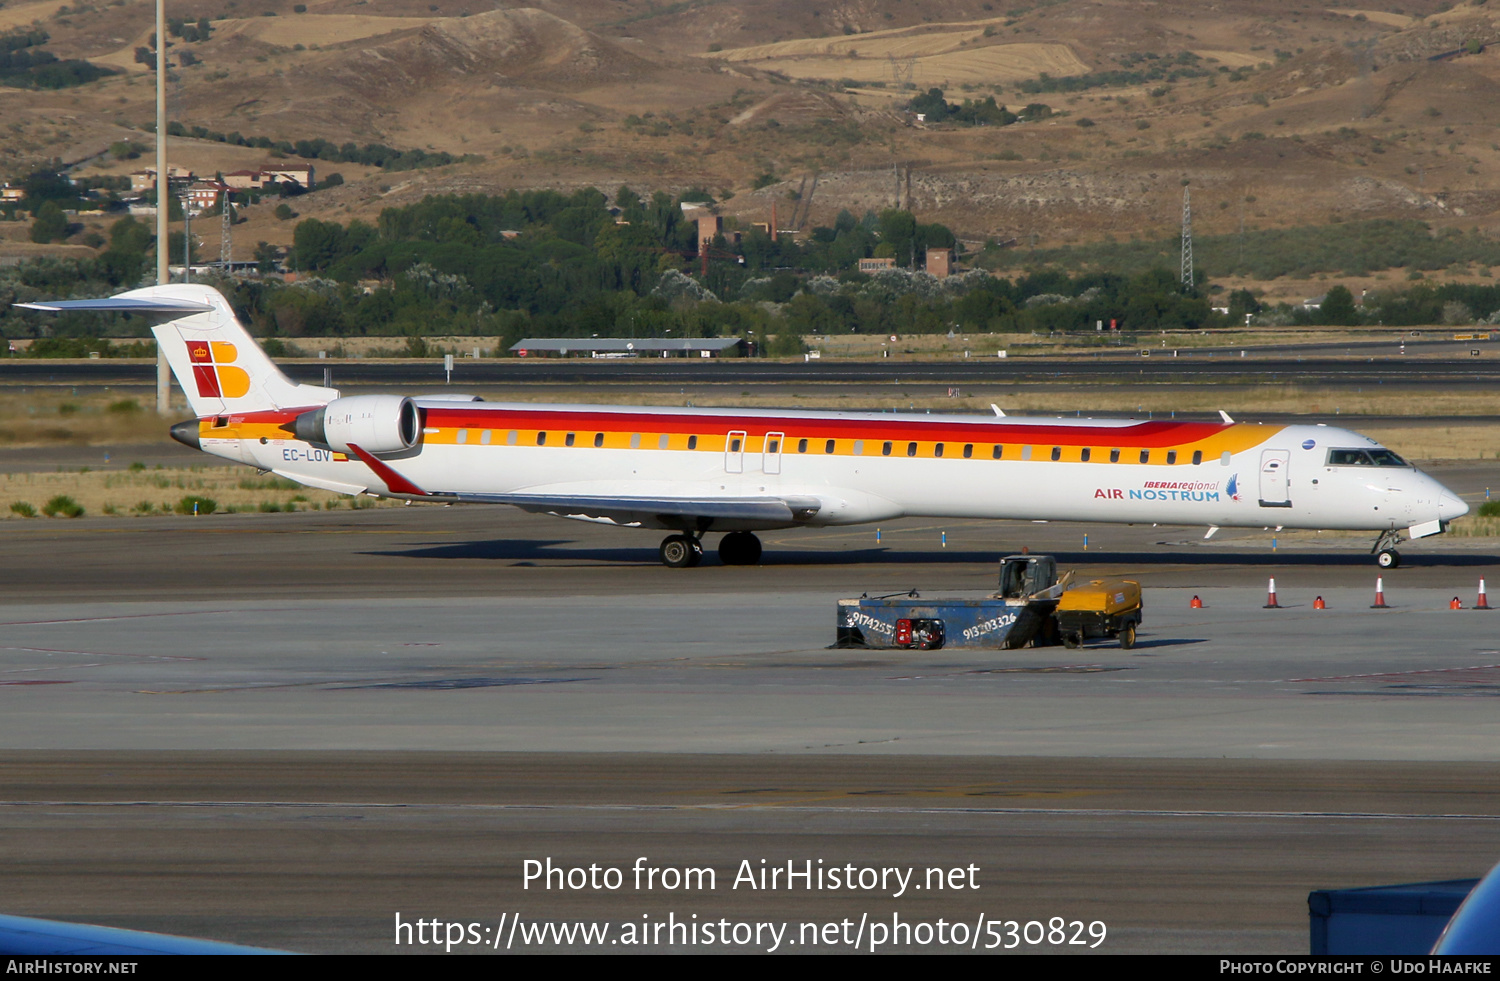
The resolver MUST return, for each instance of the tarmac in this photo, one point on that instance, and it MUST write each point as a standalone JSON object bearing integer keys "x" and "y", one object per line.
{"x": 285, "y": 730}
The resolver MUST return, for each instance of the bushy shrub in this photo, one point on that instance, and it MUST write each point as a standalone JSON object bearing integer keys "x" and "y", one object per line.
{"x": 62, "y": 506}
{"x": 196, "y": 504}
{"x": 23, "y": 508}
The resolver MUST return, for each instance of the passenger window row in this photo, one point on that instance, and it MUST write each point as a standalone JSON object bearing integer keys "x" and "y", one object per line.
{"x": 939, "y": 450}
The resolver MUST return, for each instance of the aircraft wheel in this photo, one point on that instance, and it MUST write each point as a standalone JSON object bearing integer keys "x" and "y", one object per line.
{"x": 1071, "y": 641}
{"x": 697, "y": 555}
{"x": 1127, "y": 637}
{"x": 739, "y": 548}
{"x": 677, "y": 552}
{"x": 1388, "y": 558}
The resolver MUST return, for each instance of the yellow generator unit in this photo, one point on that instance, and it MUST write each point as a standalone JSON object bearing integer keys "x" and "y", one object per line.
{"x": 1100, "y": 608}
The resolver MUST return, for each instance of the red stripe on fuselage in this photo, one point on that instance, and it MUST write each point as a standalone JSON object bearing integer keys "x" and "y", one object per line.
{"x": 1144, "y": 434}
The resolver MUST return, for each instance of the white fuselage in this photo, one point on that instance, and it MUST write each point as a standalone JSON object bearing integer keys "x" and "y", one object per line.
{"x": 864, "y": 467}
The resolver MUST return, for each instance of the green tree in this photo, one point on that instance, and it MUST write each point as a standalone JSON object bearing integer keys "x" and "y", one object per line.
{"x": 1242, "y": 302}
{"x": 1338, "y": 308}
{"x": 51, "y": 225}
{"x": 266, "y": 256}
{"x": 898, "y": 229}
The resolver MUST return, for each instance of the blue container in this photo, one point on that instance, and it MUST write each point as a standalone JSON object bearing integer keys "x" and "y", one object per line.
{"x": 908, "y": 622}
{"x": 1403, "y": 919}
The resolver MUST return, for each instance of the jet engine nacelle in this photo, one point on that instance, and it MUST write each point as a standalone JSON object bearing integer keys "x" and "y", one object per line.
{"x": 374, "y": 423}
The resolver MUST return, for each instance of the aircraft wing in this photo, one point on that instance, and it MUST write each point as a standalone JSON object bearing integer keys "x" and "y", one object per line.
{"x": 768, "y": 509}
{"x": 26, "y": 936}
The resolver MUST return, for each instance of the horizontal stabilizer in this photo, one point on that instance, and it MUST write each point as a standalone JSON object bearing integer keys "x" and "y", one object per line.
{"x": 122, "y": 304}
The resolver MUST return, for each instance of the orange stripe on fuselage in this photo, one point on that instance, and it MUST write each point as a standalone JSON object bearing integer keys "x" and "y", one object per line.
{"x": 628, "y": 430}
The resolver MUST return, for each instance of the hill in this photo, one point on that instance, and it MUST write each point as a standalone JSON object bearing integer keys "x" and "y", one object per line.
{"x": 1274, "y": 113}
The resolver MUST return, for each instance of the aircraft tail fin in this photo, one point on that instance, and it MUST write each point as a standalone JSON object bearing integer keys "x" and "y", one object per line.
{"x": 218, "y": 364}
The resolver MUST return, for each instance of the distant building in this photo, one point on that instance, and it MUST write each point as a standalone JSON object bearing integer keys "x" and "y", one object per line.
{"x": 627, "y": 347}
{"x": 9, "y": 195}
{"x": 875, "y": 265}
{"x": 269, "y": 175}
{"x": 295, "y": 173}
{"x": 203, "y": 195}
{"x": 145, "y": 180}
{"x": 243, "y": 180}
{"x": 709, "y": 228}
{"x": 939, "y": 263}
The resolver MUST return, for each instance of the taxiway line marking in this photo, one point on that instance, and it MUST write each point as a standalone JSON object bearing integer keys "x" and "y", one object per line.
{"x": 996, "y": 811}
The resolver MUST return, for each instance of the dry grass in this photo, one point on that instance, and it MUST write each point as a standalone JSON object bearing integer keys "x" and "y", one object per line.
{"x": 1233, "y": 59}
{"x": 22, "y": 14}
{"x": 1159, "y": 343}
{"x": 26, "y": 420}
{"x": 898, "y": 42}
{"x": 1440, "y": 442}
{"x": 1470, "y": 526}
{"x": 995, "y": 63}
{"x": 159, "y": 491}
{"x": 321, "y": 29}
{"x": 1378, "y": 16}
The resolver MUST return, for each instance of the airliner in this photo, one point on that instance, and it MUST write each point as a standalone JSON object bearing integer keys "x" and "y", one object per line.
{"x": 735, "y": 472}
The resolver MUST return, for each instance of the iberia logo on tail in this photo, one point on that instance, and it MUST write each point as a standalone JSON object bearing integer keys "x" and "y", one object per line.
{"x": 214, "y": 370}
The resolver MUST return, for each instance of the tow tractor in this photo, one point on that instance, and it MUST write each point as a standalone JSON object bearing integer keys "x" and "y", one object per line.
{"x": 1032, "y": 608}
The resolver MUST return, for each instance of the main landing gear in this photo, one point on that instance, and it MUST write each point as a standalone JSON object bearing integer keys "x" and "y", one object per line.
{"x": 686, "y": 551}
{"x": 1384, "y": 549}
{"x": 739, "y": 548}
{"x": 681, "y": 551}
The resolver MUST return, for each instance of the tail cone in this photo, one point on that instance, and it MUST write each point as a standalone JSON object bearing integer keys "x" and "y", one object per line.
{"x": 186, "y": 433}
{"x": 1271, "y": 603}
{"x": 1379, "y": 603}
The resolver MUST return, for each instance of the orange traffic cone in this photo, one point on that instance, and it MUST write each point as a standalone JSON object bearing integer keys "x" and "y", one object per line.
{"x": 1379, "y": 603}
{"x": 1456, "y": 604}
{"x": 1271, "y": 603}
{"x": 1197, "y": 604}
{"x": 1484, "y": 601}
{"x": 1318, "y": 604}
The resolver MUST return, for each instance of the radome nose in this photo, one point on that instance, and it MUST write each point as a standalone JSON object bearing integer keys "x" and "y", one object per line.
{"x": 1450, "y": 507}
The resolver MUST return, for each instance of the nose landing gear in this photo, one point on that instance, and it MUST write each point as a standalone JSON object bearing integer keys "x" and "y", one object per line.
{"x": 1384, "y": 549}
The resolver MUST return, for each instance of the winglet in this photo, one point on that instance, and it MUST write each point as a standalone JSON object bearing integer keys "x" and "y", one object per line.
{"x": 396, "y": 483}
{"x": 1225, "y": 416}
{"x": 997, "y": 410}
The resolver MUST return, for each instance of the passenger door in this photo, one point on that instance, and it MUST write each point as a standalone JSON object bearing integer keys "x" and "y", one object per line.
{"x": 771, "y": 458}
{"x": 734, "y": 452}
{"x": 1274, "y": 483}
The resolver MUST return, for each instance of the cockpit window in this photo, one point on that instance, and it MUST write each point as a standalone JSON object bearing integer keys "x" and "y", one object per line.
{"x": 1364, "y": 458}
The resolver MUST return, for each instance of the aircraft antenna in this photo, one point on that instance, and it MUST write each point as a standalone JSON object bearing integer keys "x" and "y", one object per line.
{"x": 1187, "y": 240}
